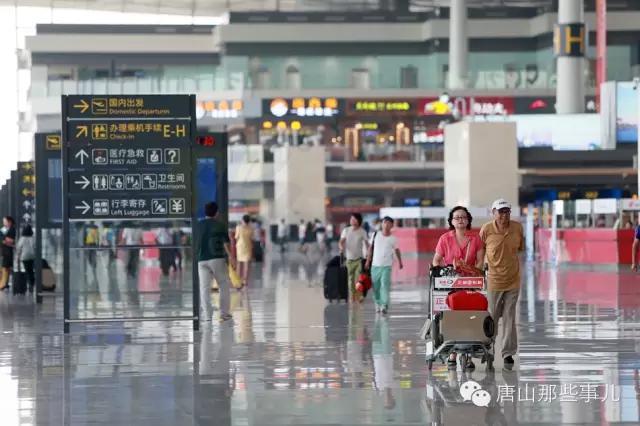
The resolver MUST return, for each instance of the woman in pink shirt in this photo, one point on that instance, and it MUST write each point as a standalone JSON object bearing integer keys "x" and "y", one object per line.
{"x": 458, "y": 246}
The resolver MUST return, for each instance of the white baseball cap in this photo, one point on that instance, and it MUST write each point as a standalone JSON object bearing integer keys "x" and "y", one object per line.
{"x": 501, "y": 203}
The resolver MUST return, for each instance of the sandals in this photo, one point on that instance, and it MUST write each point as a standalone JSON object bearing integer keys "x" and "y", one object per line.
{"x": 225, "y": 318}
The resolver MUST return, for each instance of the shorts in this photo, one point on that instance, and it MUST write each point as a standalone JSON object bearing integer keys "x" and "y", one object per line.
{"x": 7, "y": 260}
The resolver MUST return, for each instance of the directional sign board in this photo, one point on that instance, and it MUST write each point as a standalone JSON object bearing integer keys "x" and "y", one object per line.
{"x": 133, "y": 106}
{"x": 128, "y": 156}
{"x": 26, "y": 199}
{"x": 128, "y": 130}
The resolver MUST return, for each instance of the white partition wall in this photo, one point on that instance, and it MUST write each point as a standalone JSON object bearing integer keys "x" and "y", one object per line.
{"x": 299, "y": 183}
{"x": 480, "y": 164}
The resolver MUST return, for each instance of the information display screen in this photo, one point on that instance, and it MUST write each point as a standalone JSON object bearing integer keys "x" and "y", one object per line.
{"x": 206, "y": 183}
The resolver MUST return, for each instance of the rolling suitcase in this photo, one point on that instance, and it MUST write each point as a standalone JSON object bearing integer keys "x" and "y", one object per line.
{"x": 336, "y": 280}
{"x": 19, "y": 282}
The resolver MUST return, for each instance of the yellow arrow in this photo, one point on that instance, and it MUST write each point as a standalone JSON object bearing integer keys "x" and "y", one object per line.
{"x": 26, "y": 192}
{"x": 83, "y": 106}
{"x": 82, "y": 131}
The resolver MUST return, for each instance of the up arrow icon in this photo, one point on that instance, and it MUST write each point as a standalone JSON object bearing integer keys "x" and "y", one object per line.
{"x": 82, "y": 155}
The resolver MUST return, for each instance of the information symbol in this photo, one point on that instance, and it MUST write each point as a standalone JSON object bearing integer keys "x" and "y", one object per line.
{"x": 172, "y": 156}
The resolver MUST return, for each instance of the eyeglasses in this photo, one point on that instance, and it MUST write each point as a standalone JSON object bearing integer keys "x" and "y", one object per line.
{"x": 460, "y": 218}
{"x": 504, "y": 211}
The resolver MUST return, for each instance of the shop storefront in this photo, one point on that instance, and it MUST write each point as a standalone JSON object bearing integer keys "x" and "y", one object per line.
{"x": 377, "y": 130}
{"x": 230, "y": 115}
{"x": 298, "y": 121}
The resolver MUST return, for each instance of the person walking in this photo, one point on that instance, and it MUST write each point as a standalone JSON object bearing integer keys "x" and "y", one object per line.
{"x": 351, "y": 244}
{"x": 503, "y": 238}
{"x": 330, "y": 235}
{"x": 380, "y": 260}
{"x": 302, "y": 231}
{"x": 321, "y": 235}
{"x": 26, "y": 253}
{"x": 634, "y": 249}
{"x": 214, "y": 251}
{"x": 282, "y": 235}
{"x": 244, "y": 247}
{"x": 8, "y": 235}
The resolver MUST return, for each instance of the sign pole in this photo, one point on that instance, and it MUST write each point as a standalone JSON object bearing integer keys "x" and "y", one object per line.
{"x": 194, "y": 228}
{"x": 65, "y": 219}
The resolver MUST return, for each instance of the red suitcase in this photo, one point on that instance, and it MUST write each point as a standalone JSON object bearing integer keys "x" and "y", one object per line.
{"x": 467, "y": 300}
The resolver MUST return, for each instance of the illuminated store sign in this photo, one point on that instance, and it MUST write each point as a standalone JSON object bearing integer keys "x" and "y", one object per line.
{"x": 302, "y": 107}
{"x": 375, "y": 106}
{"x": 220, "y": 109}
{"x": 381, "y": 106}
{"x": 463, "y": 106}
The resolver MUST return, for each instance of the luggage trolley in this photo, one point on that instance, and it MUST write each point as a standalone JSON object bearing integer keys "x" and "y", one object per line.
{"x": 468, "y": 333}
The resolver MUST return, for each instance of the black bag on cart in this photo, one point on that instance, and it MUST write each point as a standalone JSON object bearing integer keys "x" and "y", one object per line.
{"x": 336, "y": 285}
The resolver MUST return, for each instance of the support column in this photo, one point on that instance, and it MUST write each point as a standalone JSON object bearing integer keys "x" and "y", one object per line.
{"x": 300, "y": 185}
{"x": 471, "y": 177}
{"x": 458, "y": 45}
{"x": 570, "y": 44}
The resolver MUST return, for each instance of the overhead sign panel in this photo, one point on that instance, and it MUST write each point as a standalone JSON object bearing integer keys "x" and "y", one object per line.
{"x": 87, "y": 131}
{"x": 142, "y": 106}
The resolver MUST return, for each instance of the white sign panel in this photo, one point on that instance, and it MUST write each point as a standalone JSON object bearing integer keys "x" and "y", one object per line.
{"x": 630, "y": 204}
{"x": 583, "y": 206}
{"x": 605, "y": 206}
{"x": 558, "y": 207}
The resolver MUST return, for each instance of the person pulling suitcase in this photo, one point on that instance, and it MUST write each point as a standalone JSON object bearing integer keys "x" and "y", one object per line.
{"x": 353, "y": 241}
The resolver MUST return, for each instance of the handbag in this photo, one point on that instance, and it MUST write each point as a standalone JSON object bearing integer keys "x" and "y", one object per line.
{"x": 463, "y": 269}
{"x": 236, "y": 281}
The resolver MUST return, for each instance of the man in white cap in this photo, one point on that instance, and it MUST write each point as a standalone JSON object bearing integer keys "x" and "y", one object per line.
{"x": 503, "y": 239}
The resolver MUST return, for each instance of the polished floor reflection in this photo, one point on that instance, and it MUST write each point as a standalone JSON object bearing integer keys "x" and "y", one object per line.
{"x": 288, "y": 358}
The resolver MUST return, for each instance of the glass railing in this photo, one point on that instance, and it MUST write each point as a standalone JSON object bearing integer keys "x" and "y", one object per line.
{"x": 245, "y": 154}
{"x": 385, "y": 153}
{"x": 486, "y": 80}
{"x": 147, "y": 85}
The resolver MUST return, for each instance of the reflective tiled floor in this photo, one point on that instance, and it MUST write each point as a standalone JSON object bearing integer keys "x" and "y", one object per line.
{"x": 291, "y": 359}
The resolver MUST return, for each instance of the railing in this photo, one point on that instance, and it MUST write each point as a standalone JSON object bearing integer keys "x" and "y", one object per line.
{"x": 252, "y": 154}
{"x": 483, "y": 80}
{"x": 393, "y": 153}
{"x": 147, "y": 85}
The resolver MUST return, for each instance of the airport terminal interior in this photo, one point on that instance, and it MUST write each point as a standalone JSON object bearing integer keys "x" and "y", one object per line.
{"x": 320, "y": 212}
